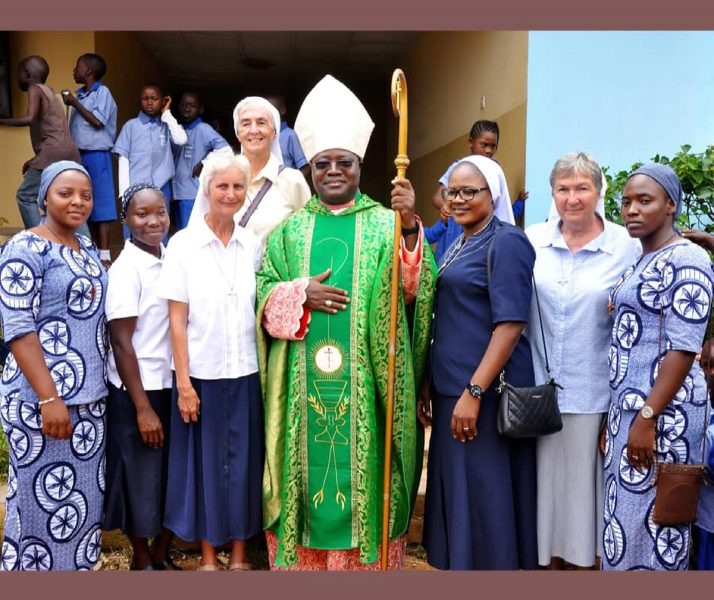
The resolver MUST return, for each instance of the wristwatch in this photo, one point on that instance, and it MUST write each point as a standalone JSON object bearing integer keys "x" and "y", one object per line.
{"x": 410, "y": 230}
{"x": 475, "y": 390}
{"x": 647, "y": 412}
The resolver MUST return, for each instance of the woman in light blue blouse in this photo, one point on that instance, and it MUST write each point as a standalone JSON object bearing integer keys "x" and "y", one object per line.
{"x": 579, "y": 256}
{"x": 52, "y": 391}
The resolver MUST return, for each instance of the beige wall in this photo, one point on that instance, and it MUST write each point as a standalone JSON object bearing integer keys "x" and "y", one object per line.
{"x": 60, "y": 49}
{"x": 447, "y": 74}
{"x": 129, "y": 65}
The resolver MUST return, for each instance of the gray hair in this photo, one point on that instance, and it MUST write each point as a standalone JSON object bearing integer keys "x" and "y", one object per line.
{"x": 580, "y": 163}
{"x": 218, "y": 162}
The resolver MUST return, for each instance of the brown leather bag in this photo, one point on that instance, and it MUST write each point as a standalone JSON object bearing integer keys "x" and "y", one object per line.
{"x": 677, "y": 493}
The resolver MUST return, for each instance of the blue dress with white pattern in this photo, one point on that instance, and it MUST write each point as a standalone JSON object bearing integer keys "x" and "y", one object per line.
{"x": 55, "y": 487}
{"x": 671, "y": 287}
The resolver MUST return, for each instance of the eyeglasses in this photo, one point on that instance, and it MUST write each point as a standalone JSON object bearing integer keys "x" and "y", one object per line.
{"x": 344, "y": 164}
{"x": 465, "y": 193}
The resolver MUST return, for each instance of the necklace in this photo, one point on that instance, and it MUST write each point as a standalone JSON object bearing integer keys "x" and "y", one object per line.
{"x": 231, "y": 283}
{"x": 455, "y": 250}
{"x": 56, "y": 236}
{"x": 627, "y": 274}
{"x": 84, "y": 262}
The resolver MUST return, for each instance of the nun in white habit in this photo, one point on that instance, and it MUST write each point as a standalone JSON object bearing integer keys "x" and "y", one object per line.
{"x": 274, "y": 190}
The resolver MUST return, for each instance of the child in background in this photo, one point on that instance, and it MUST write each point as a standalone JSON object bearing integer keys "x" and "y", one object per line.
{"x": 202, "y": 139}
{"x": 49, "y": 134}
{"x": 139, "y": 374}
{"x": 93, "y": 125}
{"x": 483, "y": 140}
{"x": 144, "y": 144}
{"x": 293, "y": 156}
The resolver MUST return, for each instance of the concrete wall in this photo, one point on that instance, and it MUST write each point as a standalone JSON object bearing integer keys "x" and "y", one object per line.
{"x": 447, "y": 75}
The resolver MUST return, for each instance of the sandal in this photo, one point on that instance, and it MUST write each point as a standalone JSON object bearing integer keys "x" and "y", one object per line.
{"x": 208, "y": 567}
{"x": 240, "y": 566}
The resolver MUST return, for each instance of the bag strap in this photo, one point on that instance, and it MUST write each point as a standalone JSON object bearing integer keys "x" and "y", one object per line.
{"x": 258, "y": 198}
{"x": 535, "y": 291}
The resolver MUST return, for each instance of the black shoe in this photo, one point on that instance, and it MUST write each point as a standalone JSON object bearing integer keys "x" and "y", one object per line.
{"x": 167, "y": 565}
{"x": 133, "y": 567}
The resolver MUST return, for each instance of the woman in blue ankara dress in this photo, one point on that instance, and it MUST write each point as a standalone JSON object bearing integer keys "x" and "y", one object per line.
{"x": 52, "y": 391}
{"x": 480, "y": 510}
{"x": 658, "y": 401}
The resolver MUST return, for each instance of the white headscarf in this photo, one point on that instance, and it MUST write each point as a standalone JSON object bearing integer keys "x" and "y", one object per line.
{"x": 599, "y": 206}
{"x": 496, "y": 181}
{"x": 202, "y": 204}
{"x": 262, "y": 103}
{"x": 331, "y": 116}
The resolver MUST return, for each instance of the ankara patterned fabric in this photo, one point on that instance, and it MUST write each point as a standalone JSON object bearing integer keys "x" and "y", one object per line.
{"x": 678, "y": 281}
{"x": 294, "y": 407}
{"x": 55, "y": 487}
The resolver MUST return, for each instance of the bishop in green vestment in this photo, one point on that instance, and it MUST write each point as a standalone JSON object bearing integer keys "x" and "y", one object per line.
{"x": 324, "y": 302}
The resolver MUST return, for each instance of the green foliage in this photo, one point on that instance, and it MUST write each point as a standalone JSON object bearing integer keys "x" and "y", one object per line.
{"x": 695, "y": 171}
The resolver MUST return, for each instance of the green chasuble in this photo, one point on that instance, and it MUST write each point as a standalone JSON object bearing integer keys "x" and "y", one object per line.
{"x": 325, "y": 396}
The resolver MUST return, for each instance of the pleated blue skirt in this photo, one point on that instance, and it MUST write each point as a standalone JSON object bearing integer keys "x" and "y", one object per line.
{"x": 136, "y": 473}
{"x": 215, "y": 472}
{"x": 99, "y": 166}
{"x": 480, "y": 507}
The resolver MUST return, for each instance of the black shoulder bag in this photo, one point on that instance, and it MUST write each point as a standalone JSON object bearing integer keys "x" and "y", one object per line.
{"x": 532, "y": 411}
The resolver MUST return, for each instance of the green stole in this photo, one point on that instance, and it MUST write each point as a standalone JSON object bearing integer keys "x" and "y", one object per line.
{"x": 329, "y": 389}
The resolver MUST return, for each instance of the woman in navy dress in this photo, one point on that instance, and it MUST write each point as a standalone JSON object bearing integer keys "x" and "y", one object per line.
{"x": 480, "y": 508}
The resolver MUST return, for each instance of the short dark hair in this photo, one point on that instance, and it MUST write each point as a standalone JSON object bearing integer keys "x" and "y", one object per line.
{"x": 193, "y": 93}
{"x": 39, "y": 64}
{"x": 154, "y": 85}
{"x": 484, "y": 126}
{"x": 95, "y": 63}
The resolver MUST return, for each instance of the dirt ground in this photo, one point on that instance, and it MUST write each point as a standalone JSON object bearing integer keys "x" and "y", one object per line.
{"x": 116, "y": 554}
{"x": 116, "y": 551}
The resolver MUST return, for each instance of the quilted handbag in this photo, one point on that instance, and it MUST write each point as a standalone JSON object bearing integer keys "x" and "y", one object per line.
{"x": 528, "y": 411}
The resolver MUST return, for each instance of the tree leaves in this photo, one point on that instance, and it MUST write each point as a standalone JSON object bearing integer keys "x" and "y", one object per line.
{"x": 695, "y": 171}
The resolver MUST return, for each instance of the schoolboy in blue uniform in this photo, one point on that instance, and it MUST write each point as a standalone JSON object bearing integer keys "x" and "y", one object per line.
{"x": 144, "y": 144}
{"x": 93, "y": 126}
{"x": 202, "y": 140}
{"x": 293, "y": 156}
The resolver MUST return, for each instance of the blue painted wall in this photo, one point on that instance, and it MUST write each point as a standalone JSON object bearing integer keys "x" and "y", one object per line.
{"x": 622, "y": 96}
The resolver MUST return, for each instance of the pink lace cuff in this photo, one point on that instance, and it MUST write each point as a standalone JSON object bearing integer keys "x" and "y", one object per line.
{"x": 286, "y": 317}
{"x": 411, "y": 265}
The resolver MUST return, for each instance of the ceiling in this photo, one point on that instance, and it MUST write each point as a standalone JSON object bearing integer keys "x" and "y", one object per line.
{"x": 269, "y": 60}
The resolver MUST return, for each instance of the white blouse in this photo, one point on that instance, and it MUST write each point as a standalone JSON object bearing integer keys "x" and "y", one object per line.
{"x": 218, "y": 284}
{"x": 132, "y": 293}
{"x": 573, "y": 290}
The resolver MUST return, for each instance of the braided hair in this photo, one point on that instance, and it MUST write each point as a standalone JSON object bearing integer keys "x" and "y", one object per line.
{"x": 129, "y": 194}
{"x": 483, "y": 126}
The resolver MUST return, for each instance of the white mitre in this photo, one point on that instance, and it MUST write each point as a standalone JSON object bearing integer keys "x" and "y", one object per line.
{"x": 331, "y": 116}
